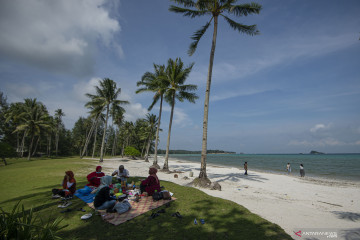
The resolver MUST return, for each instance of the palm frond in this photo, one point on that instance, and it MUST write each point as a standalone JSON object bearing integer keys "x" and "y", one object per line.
{"x": 185, "y": 3}
{"x": 245, "y": 9}
{"x": 197, "y": 36}
{"x": 250, "y": 30}
{"x": 155, "y": 100}
{"x": 187, "y": 12}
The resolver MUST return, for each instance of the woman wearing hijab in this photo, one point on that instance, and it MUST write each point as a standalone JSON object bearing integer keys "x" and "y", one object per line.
{"x": 103, "y": 200}
{"x": 68, "y": 184}
{"x": 94, "y": 177}
{"x": 150, "y": 184}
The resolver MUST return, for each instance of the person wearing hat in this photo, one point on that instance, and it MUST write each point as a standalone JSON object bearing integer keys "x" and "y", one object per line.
{"x": 121, "y": 174}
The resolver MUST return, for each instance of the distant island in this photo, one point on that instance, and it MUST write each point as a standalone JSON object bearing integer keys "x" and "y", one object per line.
{"x": 160, "y": 151}
{"x": 316, "y": 152}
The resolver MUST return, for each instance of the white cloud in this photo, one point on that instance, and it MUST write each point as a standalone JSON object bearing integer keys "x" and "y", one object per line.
{"x": 319, "y": 127}
{"x": 56, "y": 35}
{"x": 180, "y": 118}
{"x": 134, "y": 111}
{"x": 83, "y": 87}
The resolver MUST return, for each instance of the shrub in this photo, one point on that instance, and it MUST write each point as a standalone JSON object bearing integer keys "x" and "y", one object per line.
{"x": 131, "y": 151}
{"x": 20, "y": 224}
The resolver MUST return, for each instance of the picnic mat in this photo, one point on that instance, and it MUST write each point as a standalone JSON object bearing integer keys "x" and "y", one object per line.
{"x": 144, "y": 205}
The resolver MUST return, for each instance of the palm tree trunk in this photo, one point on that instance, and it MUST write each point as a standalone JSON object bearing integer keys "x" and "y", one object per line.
{"x": 206, "y": 103}
{"x": 57, "y": 140}
{"x": 103, "y": 140}
{"x": 94, "y": 146}
{"x": 166, "y": 162}
{"x": 36, "y": 145}
{"x": 122, "y": 150}
{"x": 155, "y": 164}
{"x": 147, "y": 149}
{"x": 143, "y": 148}
{"x": 88, "y": 139}
{"x": 23, "y": 144}
{"x": 30, "y": 147}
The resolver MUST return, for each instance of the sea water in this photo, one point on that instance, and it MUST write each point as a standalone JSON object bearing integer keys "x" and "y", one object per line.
{"x": 332, "y": 166}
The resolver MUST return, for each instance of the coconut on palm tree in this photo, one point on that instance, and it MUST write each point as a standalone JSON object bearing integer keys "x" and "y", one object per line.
{"x": 106, "y": 96}
{"x": 214, "y": 9}
{"x": 176, "y": 75}
{"x": 154, "y": 82}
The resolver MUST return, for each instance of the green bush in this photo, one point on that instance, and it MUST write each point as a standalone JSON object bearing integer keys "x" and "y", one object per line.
{"x": 131, "y": 151}
{"x": 20, "y": 224}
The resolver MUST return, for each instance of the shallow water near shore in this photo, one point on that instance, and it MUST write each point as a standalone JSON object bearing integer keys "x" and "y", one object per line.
{"x": 329, "y": 166}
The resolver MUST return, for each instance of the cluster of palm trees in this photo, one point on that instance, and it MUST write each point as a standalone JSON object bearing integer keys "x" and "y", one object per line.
{"x": 31, "y": 122}
{"x": 167, "y": 82}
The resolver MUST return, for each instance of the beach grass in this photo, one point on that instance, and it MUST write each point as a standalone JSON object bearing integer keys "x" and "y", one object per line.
{"x": 31, "y": 182}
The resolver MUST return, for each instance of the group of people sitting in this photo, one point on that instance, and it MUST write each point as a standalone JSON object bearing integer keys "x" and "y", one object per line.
{"x": 104, "y": 190}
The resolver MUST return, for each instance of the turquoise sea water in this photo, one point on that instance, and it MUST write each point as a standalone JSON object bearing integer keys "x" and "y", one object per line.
{"x": 333, "y": 166}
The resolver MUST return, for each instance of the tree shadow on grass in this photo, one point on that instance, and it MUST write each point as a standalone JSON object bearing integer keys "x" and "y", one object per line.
{"x": 221, "y": 222}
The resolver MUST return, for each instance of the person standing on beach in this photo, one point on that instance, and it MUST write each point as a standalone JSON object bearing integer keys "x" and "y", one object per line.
{"x": 245, "y": 168}
{"x": 302, "y": 171}
{"x": 288, "y": 168}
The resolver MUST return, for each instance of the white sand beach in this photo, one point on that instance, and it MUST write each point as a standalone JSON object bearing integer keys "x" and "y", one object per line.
{"x": 292, "y": 202}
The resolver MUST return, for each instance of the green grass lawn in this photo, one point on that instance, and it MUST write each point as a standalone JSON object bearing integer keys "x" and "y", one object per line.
{"x": 32, "y": 181}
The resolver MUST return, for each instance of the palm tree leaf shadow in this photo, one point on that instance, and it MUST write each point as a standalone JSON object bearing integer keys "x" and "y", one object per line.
{"x": 236, "y": 177}
{"x": 351, "y": 216}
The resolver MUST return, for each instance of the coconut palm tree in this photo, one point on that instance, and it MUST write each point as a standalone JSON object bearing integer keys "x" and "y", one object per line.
{"x": 106, "y": 96}
{"x": 117, "y": 114}
{"x": 176, "y": 76}
{"x": 151, "y": 122}
{"x": 214, "y": 9}
{"x": 58, "y": 115}
{"x": 154, "y": 83}
{"x": 34, "y": 120}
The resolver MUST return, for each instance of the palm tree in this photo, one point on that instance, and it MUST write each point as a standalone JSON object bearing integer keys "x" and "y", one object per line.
{"x": 214, "y": 8}
{"x": 154, "y": 83}
{"x": 151, "y": 122}
{"x": 34, "y": 120}
{"x": 58, "y": 115}
{"x": 176, "y": 76}
{"x": 106, "y": 96}
{"x": 117, "y": 114}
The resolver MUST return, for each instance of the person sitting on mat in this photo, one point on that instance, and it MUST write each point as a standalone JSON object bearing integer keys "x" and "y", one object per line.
{"x": 122, "y": 174}
{"x": 94, "y": 177}
{"x": 103, "y": 200}
{"x": 150, "y": 184}
{"x": 68, "y": 184}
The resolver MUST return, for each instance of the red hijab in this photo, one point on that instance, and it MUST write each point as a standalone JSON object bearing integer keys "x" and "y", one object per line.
{"x": 71, "y": 178}
{"x": 152, "y": 172}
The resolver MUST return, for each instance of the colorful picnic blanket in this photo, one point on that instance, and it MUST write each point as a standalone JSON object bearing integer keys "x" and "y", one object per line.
{"x": 144, "y": 205}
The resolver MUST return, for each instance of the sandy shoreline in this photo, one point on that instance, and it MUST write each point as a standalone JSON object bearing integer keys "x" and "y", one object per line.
{"x": 291, "y": 202}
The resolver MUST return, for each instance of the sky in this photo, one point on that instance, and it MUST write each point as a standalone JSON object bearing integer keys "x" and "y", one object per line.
{"x": 292, "y": 89}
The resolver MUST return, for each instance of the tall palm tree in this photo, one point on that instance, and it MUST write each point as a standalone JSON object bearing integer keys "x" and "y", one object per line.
{"x": 58, "y": 115}
{"x": 106, "y": 96}
{"x": 154, "y": 82}
{"x": 176, "y": 75}
{"x": 214, "y": 9}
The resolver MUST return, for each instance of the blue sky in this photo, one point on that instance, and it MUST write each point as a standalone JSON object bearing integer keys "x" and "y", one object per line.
{"x": 292, "y": 89}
